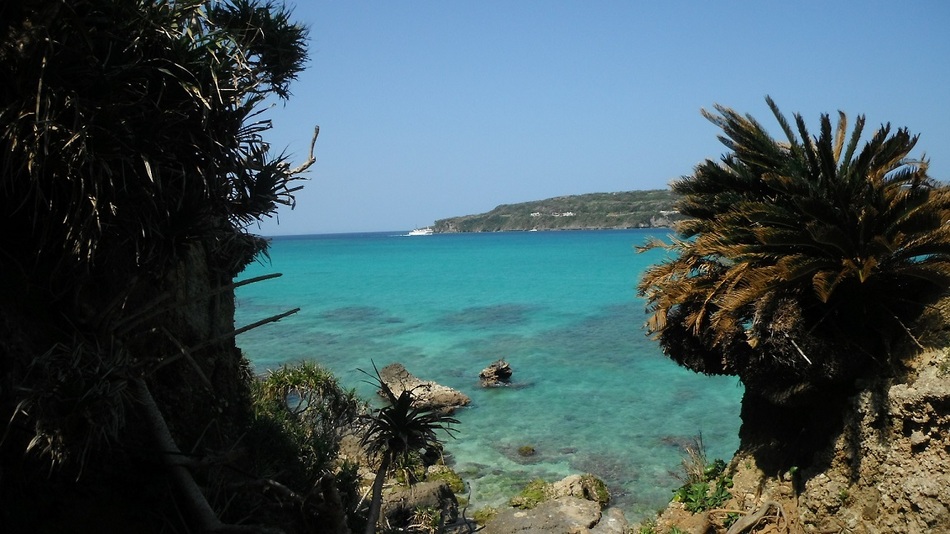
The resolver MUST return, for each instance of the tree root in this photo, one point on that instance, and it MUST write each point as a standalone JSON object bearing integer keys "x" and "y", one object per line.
{"x": 748, "y": 522}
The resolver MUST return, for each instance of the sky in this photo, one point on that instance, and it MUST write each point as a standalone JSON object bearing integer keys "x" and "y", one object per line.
{"x": 436, "y": 109}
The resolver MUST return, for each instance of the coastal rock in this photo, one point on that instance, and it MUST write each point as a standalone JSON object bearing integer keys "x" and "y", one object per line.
{"x": 402, "y": 502}
{"x": 886, "y": 470}
{"x": 427, "y": 395}
{"x": 890, "y": 460}
{"x": 573, "y": 504}
{"x": 496, "y": 374}
{"x": 612, "y": 521}
{"x": 563, "y": 514}
{"x": 581, "y": 486}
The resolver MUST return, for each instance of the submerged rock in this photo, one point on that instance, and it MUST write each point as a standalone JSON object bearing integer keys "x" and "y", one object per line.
{"x": 496, "y": 374}
{"x": 426, "y": 394}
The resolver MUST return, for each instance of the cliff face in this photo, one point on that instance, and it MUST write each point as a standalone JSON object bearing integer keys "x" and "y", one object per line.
{"x": 81, "y": 374}
{"x": 886, "y": 469}
{"x": 889, "y": 469}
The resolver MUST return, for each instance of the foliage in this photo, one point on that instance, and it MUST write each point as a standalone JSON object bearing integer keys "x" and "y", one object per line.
{"x": 449, "y": 476}
{"x": 699, "y": 496}
{"x": 696, "y": 494}
{"x": 799, "y": 261}
{"x": 130, "y": 127}
{"x": 305, "y": 404}
{"x": 484, "y": 515}
{"x": 409, "y": 469}
{"x": 396, "y": 431}
{"x": 399, "y": 429}
{"x": 647, "y": 527}
{"x": 129, "y": 130}
{"x": 425, "y": 519}
{"x": 132, "y": 161}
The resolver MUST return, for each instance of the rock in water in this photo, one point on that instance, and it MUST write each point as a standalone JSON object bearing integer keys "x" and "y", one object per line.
{"x": 496, "y": 374}
{"x": 426, "y": 395}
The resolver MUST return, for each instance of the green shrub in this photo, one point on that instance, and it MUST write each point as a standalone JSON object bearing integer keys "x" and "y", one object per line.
{"x": 484, "y": 515}
{"x": 532, "y": 495}
{"x": 302, "y": 408}
{"x": 698, "y": 495}
{"x": 444, "y": 472}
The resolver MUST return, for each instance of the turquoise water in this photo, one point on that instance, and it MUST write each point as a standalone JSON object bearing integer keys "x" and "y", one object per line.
{"x": 592, "y": 393}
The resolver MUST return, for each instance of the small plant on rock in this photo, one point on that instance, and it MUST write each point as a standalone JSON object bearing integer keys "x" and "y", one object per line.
{"x": 532, "y": 495}
{"x": 696, "y": 494}
{"x": 484, "y": 515}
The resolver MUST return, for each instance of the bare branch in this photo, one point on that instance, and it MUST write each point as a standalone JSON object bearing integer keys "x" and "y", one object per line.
{"x": 310, "y": 160}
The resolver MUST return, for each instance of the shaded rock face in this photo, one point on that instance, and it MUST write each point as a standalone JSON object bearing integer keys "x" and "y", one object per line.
{"x": 496, "y": 374}
{"x": 889, "y": 470}
{"x": 886, "y": 469}
{"x": 427, "y": 395}
{"x": 400, "y": 504}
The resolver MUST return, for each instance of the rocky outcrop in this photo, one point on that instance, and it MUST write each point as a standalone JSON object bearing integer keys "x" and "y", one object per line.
{"x": 573, "y": 504}
{"x": 887, "y": 469}
{"x": 496, "y": 374}
{"x": 586, "y": 487}
{"x": 402, "y": 503}
{"x": 427, "y": 395}
{"x": 563, "y": 514}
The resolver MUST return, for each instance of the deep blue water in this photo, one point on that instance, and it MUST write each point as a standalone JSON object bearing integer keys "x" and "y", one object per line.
{"x": 595, "y": 394}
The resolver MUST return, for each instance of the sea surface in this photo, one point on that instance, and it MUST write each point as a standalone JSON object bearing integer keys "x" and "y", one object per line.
{"x": 591, "y": 392}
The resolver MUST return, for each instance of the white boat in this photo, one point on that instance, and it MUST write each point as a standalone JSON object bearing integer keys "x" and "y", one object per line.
{"x": 421, "y": 231}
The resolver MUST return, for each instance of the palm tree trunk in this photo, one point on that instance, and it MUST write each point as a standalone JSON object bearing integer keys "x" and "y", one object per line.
{"x": 377, "y": 502}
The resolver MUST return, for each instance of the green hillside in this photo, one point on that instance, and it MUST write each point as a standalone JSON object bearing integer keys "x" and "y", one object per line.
{"x": 629, "y": 209}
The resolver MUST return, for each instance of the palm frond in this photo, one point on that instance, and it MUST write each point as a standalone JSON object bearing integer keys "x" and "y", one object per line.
{"x": 845, "y": 235}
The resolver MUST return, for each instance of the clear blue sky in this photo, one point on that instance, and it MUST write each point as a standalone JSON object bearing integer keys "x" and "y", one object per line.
{"x": 433, "y": 109}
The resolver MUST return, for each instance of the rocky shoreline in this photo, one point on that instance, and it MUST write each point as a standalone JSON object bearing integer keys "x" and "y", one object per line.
{"x": 887, "y": 469}
{"x": 577, "y": 503}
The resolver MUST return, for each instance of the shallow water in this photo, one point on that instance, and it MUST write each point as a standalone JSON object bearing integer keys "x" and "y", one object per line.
{"x": 592, "y": 393}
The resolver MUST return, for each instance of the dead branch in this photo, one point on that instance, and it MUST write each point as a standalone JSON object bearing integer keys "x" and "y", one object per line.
{"x": 154, "y": 308}
{"x": 310, "y": 159}
{"x": 187, "y": 352}
{"x": 799, "y": 349}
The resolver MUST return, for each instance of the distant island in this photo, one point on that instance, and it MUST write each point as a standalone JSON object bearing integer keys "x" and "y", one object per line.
{"x": 628, "y": 209}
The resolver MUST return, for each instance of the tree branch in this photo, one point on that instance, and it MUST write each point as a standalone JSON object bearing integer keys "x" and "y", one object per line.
{"x": 310, "y": 159}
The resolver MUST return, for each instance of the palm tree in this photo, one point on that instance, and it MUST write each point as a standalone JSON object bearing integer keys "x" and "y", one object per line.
{"x": 395, "y": 431}
{"x": 800, "y": 262}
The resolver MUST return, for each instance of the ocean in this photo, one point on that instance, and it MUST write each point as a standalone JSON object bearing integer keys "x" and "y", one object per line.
{"x": 591, "y": 392}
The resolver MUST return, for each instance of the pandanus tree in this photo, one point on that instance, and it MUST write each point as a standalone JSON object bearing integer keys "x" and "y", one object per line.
{"x": 801, "y": 262}
{"x": 132, "y": 160}
{"x": 396, "y": 431}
